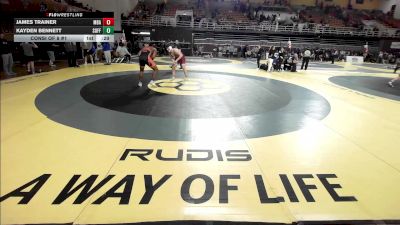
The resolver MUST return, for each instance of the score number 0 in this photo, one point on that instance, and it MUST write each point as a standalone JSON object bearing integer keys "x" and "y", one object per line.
{"x": 108, "y": 25}
{"x": 108, "y": 21}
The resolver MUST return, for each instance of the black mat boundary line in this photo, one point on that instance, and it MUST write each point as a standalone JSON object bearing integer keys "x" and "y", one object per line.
{"x": 343, "y": 81}
{"x": 200, "y": 222}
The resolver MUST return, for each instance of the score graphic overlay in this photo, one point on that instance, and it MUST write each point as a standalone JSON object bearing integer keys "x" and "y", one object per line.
{"x": 64, "y": 27}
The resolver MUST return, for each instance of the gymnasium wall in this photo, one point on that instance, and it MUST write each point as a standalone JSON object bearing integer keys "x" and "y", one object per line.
{"x": 386, "y": 6}
{"x": 173, "y": 34}
{"x": 116, "y": 6}
{"x": 367, "y": 4}
{"x": 302, "y": 2}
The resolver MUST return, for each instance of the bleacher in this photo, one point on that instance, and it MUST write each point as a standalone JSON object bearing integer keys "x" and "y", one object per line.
{"x": 143, "y": 11}
{"x": 171, "y": 10}
{"x": 337, "y": 17}
{"x": 334, "y": 22}
{"x": 281, "y": 41}
{"x": 331, "y": 20}
{"x": 311, "y": 15}
{"x": 232, "y": 17}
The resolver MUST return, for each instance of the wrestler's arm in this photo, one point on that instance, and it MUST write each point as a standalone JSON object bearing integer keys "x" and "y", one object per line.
{"x": 180, "y": 57}
{"x": 154, "y": 53}
{"x": 171, "y": 55}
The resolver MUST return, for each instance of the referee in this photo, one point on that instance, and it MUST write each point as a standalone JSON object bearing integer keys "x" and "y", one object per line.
{"x": 306, "y": 59}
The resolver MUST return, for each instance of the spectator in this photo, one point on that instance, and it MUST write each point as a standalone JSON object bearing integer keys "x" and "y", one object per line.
{"x": 294, "y": 61}
{"x": 260, "y": 52}
{"x": 29, "y": 56}
{"x": 380, "y": 57}
{"x": 51, "y": 47}
{"x": 271, "y": 57}
{"x": 43, "y": 7}
{"x": 286, "y": 64}
{"x": 335, "y": 55}
{"x": 6, "y": 56}
{"x": 88, "y": 50}
{"x": 122, "y": 51}
{"x": 107, "y": 52}
{"x": 99, "y": 52}
{"x": 70, "y": 48}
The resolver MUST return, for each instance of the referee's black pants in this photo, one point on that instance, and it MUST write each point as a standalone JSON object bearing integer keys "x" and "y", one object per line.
{"x": 305, "y": 62}
{"x": 71, "y": 59}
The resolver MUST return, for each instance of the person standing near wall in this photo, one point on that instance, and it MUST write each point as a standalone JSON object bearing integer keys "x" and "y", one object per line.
{"x": 6, "y": 56}
{"x": 107, "y": 52}
{"x": 88, "y": 51}
{"x": 271, "y": 57}
{"x": 99, "y": 52}
{"x": 259, "y": 54}
{"x": 294, "y": 61}
{"x": 70, "y": 48}
{"x": 51, "y": 47}
{"x": 29, "y": 56}
{"x": 335, "y": 55}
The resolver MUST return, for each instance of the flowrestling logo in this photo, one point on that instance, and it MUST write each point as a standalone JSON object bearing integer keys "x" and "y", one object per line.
{"x": 190, "y": 86}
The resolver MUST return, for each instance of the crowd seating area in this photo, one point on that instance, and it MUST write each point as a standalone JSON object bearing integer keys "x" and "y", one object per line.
{"x": 171, "y": 11}
{"x": 142, "y": 11}
{"x": 230, "y": 16}
{"x": 337, "y": 16}
{"x": 242, "y": 13}
{"x": 315, "y": 15}
{"x": 388, "y": 20}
